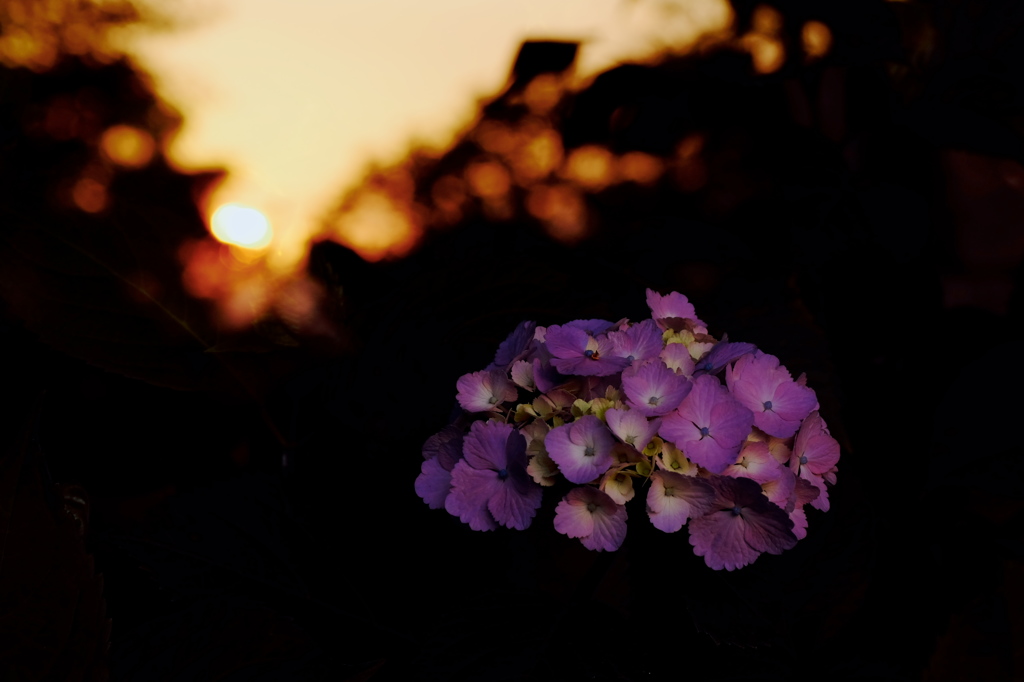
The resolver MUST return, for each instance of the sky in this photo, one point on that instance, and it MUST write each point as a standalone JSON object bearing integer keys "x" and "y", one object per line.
{"x": 295, "y": 97}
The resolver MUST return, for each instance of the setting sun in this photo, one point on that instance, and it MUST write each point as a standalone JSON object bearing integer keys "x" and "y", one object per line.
{"x": 241, "y": 225}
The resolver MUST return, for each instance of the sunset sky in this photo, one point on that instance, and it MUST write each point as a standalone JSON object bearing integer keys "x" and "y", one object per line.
{"x": 295, "y": 97}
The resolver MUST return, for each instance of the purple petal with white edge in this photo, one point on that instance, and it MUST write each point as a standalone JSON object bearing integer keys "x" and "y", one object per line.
{"x": 672, "y": 305}
{"x": 640, "y": 342}
{"x": 582, "y": 449}
{"x": 471, "y": 491}
{"x": 653, "y": 389}
{"x": 722, "y": 354}
{"x": 719, "y": 538}
{"x": 515, "y": 346}
{"x": 434, "y": 483}
{"x": 484, "y": 391}
{"x": 631, "y": 427}
{"x": 445, "y": 445}
{"x": 485, "y": 444}
{"x": 572, "y": 517}
{"x": 673, "y": 499}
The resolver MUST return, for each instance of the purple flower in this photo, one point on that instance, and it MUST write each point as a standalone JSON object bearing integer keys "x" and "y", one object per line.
{"x": 653, "y": 389}
{"x": 779, "y": 404}
{"x": 590, "y": 515}
{"x": 546, "y": 377}
{"x": 722, "y": 354}
{"x": 803, "y": 492}
{"x": 577, "y": 352}
{"x": 673, "y": 499}
{"x": 755, "y": 462}
{"x": 640, "y": 342}
{"x": 709, "y": 426}
{"x": 490, "y": 485}
{"x": 779, "y": 490}
{"x": 742, "y": 523}
{"x": 592, "y": 327}
{"x": 441, "y": 452}
{"x": 815, "y": 453}
{"x": 674, "y": 305}
{"x": 582, "y": 449}
{"x": 677, "y": 358}
{"x": 631, "y": 427}
{"x": 485, "y": 391}
{"x": 515, "y": 347}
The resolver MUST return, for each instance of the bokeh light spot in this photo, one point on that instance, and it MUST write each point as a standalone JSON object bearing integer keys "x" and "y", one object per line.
{"x": 538, "y": 157}
{"x": 767, "y": 53}
{"x": 767, "y": 20}
{"x": 128, "y": 146}
{"x": 376, "y": 226}
{"x": 488, "y": 179}
{"x": 561, "y": 209}
{"x": 816, "y": 37}
{"x": 495, "y": 137}
{"x": 543, "y": 93}
{"x": 590, "y": 166}
{"x": 241, "y": 226}
{"x": 89, "y": 195}
{"x": 640, "y": 168}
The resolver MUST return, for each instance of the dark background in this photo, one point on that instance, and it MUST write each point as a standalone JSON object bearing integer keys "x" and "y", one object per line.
{"x": 251, "y": 510}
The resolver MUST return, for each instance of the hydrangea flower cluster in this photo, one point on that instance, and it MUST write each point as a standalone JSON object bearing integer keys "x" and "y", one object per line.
{"x": 718, "y": 436}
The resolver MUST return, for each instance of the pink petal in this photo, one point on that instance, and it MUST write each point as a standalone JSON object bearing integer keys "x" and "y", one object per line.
{"x": 572, "y": 518}
{"x": 568, "y": 445}
{"x": 672, "y": 305}
{"x": 673, "y": 499}
{"x": 484, "y": 391}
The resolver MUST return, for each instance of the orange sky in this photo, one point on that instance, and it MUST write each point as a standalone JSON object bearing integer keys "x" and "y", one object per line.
{"x": 294, "y": 97}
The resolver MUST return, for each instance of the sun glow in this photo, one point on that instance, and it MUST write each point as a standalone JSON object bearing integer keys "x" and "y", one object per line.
{"x": 241, "y": 225}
